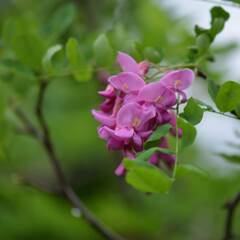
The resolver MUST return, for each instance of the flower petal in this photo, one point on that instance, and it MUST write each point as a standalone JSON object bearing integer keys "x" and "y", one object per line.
{"x": 127, "y": 63}
{"x": 124, "y": 133}
{"x": 127, "y": 82}
{"x": 114, "y": 144}
{"x": 137, "y": 142}
{"x": 154, "y": 159}
{"x": 143, "y": 67}
{"x": 179, "y": 79}
{"x": 120, "y": 170}
{"x": 127, "y": 114}
{"x": 157, "y": 93}
{"x": 104, "y": 118}
{"x": 107, "y": 105}
{"x": 145, "y": 134}
{"x": 109, "y": 92}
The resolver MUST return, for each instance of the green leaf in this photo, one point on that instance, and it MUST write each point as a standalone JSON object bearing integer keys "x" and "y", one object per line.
{"x": 17, "y": 76}
{"x": 103, "y": 51}
{"x": 217, "y": 26}
{"x": 231, "y": 158}
{"x": 61, "y": 20}
{"x": 145, "y": 155}
{"x": 203, "y": 42}
{"x": 73, "y": 52}
{"x": 219, "y": 12}
{"x": 186, "y": 169}
{"x": 193, "y": 113}
{"x": 29, "y": 48}
{"x": 228, "y": 96}
{"x": 47, "y": 58}
{"x": 189, "y": 132}
{"x": 218, "y": 18}
{"x": 205, "y": 37}
{"x": 154, "y": 139}
{"x": 199, "y": 30}
{"x": 81, "y": 70}
{"x": 152, "y": 55}
{"x": 203, "y": 104}
{"x": 146, "y": 177}
{"x": 237, "y": 111}
{"x": 21, "y": 35}
{"x": 213, "y": 89}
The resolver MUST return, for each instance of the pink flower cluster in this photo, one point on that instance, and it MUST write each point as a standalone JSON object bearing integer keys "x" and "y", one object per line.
{"x": 133, "y": 109}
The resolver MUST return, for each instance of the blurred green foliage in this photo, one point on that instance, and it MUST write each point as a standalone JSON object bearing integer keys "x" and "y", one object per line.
{"x": 193, "y": 209}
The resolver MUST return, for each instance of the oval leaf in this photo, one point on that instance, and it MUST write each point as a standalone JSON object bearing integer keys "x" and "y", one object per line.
{"x": 81, "y": 70}
{"x": 154, "y": 139}
{"x": 186, "y": 169}
{"x": 103, "y": 51}
{"x": 47, "y": 58}
{"x": 189, "y": 132}
{"x": 193, "y": 113}
{"x": 147, "y": 178}
{"x": 228, "y": 96}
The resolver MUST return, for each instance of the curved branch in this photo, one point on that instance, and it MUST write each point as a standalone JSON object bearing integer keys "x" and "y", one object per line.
{"x": 231, "y": 207}
{"x": 66, "y": 189}
{"x": 44, "y": 137}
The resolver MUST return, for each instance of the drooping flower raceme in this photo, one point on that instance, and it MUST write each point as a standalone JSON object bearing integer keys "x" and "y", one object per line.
{"x": 133, "y": 109}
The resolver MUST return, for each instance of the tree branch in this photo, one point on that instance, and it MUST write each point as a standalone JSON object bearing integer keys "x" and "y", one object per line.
{"x": 38, "y": 184}
{"x": 231, "y": 207}
{"x": 45, "y": 139}
{"x": 29, "y": 127}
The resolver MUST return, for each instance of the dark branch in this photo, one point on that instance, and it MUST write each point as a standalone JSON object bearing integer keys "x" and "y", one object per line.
{"x": 231, "y": 207}
{"x": 43, "y": 135}
{"x": 46, "y": 141}
{"x": 29, "y": 127}
{"x": 38, "y": 184}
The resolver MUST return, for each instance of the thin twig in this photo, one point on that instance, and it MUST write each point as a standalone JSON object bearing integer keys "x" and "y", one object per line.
{"x": 38, "y": 184}
{"x": 67, "y": 191}
{"x": 226, "y": 3}
{"x": 223, "y": 114}
{"x": 231, "y": 207}
{"x": 29, "y": 127}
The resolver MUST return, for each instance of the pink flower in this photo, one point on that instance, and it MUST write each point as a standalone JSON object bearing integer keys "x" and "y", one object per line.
{"x": 133, "y": 109}
{"x": 179, "y": 79}
{"x": 109, "y": 92}
{"x": 158, "y": 94}
{"x": 127, "y": 82}
{"x": 128, "y": 64}
{"x": 134, "y": 116}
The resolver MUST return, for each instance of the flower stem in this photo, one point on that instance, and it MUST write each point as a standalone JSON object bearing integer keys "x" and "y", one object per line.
{"x": 177, "y": 138}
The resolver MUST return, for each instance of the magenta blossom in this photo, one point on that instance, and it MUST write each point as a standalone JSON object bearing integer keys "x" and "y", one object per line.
{"x": 178, "y": 81}
{"x": 133, "y": 109}
{"x": 128, "y": 64}
{"x": 127, "y": 82}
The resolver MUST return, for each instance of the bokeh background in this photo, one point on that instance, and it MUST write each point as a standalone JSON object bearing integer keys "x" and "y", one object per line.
{"x": 193, "y": 209}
